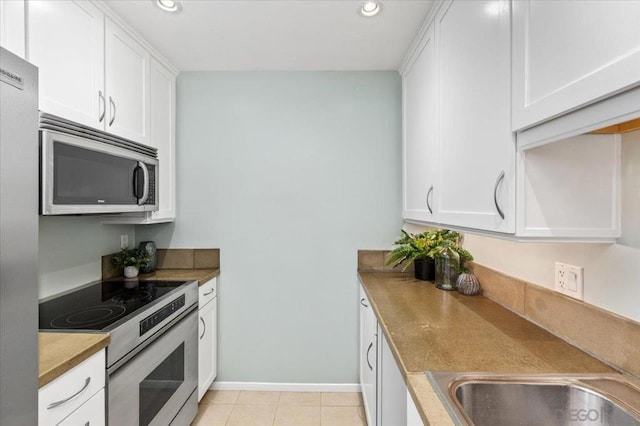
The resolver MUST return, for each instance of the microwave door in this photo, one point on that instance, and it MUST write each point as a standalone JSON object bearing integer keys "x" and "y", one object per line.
{"x": 79, "y": 177}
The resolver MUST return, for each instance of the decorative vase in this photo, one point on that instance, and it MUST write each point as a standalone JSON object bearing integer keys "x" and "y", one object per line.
{"x": 447, "y": 269}
{"x": 130, "y": 272}
{"x": 150, "y": 248}
{"x": 468, "y": 284}
{"x": 424, "y": 269}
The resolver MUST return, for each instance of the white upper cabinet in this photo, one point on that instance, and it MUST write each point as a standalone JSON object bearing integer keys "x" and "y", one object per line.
{"x": 12, "y": 31}
{"x": 476, "y": 146}
{"x": 420, "y": 147}
{"x": 163, "y": 93}
{"x": 66, "y": 43}
{"x": 571, "y": 189}
{"x": 567, "y": 54}
{"x": 91, "y": 70}
{"x": 127, "y": 85}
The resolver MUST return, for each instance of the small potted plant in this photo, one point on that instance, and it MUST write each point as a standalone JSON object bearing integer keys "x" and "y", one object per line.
{"x": 130, "y": 260}
{"x": 414, "y": 249}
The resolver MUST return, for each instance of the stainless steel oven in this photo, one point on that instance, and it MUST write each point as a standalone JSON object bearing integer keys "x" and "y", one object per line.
{"x": 151, "y": 386}
{"x": 152, "y": 360}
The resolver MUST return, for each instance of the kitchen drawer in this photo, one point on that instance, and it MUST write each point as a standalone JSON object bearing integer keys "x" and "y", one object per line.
{"x": 91, "y": 413}
{"x": 74, "y": 388}
{"x": 208, "y": 291}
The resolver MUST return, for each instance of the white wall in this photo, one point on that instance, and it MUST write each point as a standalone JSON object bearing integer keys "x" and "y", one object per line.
{"x": 611, "y": 271}
{"x": 71, "y": 248}
{"x": 289, "y": 174}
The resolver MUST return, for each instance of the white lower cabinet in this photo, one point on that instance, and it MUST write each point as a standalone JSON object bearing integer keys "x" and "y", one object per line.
{"x": 392, "y": 391}
{"x": 208, "y": 336}
{"x": 413, "y": 417}
{"x": 368, "y": 358}
{"x": 91, "y": 413}
{"x": 384, "y": 392}
{"x": 76, "y": 397}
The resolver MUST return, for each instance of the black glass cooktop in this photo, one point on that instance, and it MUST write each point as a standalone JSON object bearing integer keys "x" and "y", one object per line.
{"x": 98, "y": 305}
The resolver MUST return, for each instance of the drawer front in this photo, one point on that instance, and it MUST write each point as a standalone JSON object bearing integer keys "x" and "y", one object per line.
{"x": 208, "y": 291}
{"x": 58, "y": 399}
{"x": 91, "y": 413}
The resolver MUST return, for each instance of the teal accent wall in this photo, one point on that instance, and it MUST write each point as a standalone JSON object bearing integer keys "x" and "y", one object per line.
{"x": 289, "y": 174}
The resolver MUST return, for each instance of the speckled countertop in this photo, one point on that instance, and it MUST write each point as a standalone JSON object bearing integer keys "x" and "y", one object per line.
{"x": 432, "y": 329}
{"x": 60, "y": 352}
{"x": 201, "y": 275}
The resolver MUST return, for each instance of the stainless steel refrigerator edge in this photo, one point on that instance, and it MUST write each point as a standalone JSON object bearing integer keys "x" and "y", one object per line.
{"x": 18, "y": 241}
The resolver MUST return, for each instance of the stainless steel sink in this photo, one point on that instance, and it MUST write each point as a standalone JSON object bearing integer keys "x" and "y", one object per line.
{"x": 546, "y": 400}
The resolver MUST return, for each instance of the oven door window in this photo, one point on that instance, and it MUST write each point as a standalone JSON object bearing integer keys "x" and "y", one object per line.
{"x": 84, "y": 176}
{"x": 160, "y": 385}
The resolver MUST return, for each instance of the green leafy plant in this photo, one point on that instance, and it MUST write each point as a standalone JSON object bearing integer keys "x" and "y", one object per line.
{"x": 130, "y": 257}
{"x": 428, "y": 244}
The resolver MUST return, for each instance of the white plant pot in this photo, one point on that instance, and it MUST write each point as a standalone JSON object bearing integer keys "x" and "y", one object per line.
{"x": 130, "y": 271}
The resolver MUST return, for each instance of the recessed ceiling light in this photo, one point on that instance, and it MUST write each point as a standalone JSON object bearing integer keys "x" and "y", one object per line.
{"x": 168, "y": 5}
{"x": 370, "y": 8}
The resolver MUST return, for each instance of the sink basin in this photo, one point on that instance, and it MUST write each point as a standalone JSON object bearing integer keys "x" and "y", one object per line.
{"x": 549, "y": 400}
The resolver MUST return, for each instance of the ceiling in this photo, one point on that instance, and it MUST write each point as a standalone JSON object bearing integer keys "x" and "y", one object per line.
{"x": 277, "y": 34}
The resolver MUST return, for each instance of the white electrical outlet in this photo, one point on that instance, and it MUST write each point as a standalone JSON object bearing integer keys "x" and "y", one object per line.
{"x": 570, "y": 280}
{"x": 124, "y": 241}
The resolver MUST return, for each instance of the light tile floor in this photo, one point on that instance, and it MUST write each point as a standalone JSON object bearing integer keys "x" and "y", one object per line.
{"x": 245, "y": 408}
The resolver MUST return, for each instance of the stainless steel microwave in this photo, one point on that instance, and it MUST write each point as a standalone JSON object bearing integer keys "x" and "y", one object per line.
{"x": 87, "y": 171}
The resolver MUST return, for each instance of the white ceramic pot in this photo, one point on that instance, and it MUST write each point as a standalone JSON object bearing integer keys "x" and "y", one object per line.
{"x": 130, "y": 271}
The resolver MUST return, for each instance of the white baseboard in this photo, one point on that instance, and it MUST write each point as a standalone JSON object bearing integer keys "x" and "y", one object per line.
{"x": 287, "y": 387}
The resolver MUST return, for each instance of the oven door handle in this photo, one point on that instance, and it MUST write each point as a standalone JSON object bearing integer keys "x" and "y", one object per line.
{"x": 64, "y": 401}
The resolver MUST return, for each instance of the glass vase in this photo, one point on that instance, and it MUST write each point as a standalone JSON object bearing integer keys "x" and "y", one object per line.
{"x": 447, "y": 269}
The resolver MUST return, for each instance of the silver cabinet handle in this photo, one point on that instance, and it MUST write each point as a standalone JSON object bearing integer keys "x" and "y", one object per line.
{"x": 58, "y": 403}
{"x": 495, "y": 194}
{"x": 113, "y": 108}
{"x": 208, "y": 293}
{"x": 204, "y": 328}
{"x": 102, "y": 103}
{"x": 363, "y": 304}
{"x": 429, "y": 205}
{"x": 369, "y": 350}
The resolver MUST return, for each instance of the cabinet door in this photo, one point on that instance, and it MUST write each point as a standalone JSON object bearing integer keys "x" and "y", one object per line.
{"x": 368, "y": 358}
{"x": 127, "y": 85}
{"x": 570, "y": 53}
{"x": 392, "y": 392}
{"x": 12, "y": 31}
{"x": 413, "y": 416}
{"x": 206, "y": 346}
{"x": 162, "y": 131}
{"x": 419, "y": 94}
{"x": 477, "y": 148}
{"x": 66, "y": 43}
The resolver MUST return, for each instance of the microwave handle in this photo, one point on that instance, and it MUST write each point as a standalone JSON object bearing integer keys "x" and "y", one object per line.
{"x": 145, "y": 183}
